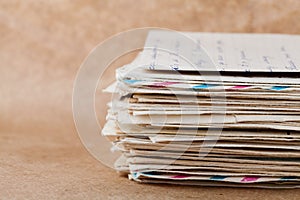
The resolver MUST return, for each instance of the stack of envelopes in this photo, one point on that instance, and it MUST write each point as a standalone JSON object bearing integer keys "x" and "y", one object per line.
{"x": 234, "y": 124}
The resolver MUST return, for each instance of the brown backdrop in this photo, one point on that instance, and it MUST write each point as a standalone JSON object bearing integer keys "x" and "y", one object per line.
{"x": 42, "y": 45}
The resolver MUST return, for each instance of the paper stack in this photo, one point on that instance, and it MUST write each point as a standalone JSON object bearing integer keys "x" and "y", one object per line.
{"x": 226, "y": 113}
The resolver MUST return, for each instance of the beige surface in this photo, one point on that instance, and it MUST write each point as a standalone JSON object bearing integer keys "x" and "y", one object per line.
{"x": 42, "y": 45}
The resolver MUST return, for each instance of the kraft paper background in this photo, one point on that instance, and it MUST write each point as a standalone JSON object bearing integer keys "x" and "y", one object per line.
{"x": 43, "y": 43}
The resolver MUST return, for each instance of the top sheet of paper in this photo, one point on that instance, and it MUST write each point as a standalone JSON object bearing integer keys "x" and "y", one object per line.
{"x": 187, "y": 51}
